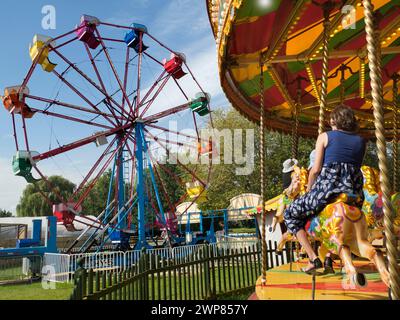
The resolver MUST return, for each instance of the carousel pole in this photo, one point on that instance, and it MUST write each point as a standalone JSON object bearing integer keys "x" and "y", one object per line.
{"x": 295, "y": 131}
{"x": 324, "y": 82}
{"x": 262, "y": 165}
{"x": 373, "y": 45}
{"x": 395, "y": 141}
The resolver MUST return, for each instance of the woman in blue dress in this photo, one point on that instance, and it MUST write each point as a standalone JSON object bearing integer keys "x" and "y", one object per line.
{"x": 337, "y": 169}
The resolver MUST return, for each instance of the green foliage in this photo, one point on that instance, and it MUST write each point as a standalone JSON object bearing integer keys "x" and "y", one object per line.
{"x": 96, "y": 201}
{"x": 170, "y": 188}
{"x": 33, "y": 204}
{"x": 5, "y": 213}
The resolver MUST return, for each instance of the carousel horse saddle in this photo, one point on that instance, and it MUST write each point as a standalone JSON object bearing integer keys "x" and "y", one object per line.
{"x": 349, "y": 198}
{"x": 346, "y": 204}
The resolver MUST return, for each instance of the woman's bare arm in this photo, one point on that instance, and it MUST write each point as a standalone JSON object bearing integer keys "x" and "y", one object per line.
{"x": 320, "y": 146}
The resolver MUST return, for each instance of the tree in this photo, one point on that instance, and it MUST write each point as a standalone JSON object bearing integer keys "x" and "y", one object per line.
{"x": 5, "y": 213}
{"x": 34, "y": 204}
{"x": 96, "y": 201}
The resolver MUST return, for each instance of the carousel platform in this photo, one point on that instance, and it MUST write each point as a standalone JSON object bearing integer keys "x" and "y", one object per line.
{"x": 283, "y": 284}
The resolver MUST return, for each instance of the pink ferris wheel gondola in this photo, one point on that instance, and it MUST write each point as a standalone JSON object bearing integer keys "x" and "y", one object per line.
{"x": 109, "y": 103}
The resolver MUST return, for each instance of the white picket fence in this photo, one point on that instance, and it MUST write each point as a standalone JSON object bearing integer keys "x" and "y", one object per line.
{"x": 61, "y": 267}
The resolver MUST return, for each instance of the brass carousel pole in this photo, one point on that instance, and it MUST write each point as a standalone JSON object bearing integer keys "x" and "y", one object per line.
{"x": 395, "y": 141}
{"x": 324, "y": 82}
{"x": 262, "y": 165}
{"x": 295, "y": 130}
{"x": 373, "y": 45}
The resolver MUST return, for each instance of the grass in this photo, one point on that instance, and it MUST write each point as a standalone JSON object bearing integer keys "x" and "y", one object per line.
{"x": 35, "y": 291}
{"x": 242, "y": 230}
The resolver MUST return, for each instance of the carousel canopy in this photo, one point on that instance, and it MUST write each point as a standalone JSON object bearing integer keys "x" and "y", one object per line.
{"x": 287, "y": 37}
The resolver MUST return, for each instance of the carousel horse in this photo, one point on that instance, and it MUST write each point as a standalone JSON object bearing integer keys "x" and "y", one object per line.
{"x": 373, "y": 205}
{"x": 340, "y": 227}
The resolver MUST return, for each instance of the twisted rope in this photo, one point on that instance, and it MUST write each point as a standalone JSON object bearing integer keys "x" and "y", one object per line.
{"x": 377, "y": 100}
{"x": 295, "y": 133}
{"x": 324, "y": 82}
{"x": 262, "y": 164}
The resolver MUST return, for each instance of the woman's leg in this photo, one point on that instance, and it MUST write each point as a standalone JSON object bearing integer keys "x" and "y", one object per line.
{"x": 301, "y": 235}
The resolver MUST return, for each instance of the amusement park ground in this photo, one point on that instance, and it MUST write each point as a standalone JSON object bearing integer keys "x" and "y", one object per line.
{"x": 63, "y": 291}
{"x": 35, "y": 292}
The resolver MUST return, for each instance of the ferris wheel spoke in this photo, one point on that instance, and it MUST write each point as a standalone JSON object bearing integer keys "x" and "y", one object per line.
{"x": 126, "y": 73}
{"x": 163, "y": 188}
{"x": 65, "y": 81}
{"x": 77, "y": 144}
{"x": 51, "y": 102}
{"x": 92, "y": 170}
{"x": 149, "y": 104}
{"x": 105, "y": 166}
{"x": 49, "y": 184}
{"x": 166, "y": 113}
{"x": 95, "y": 85}
{"x": 177, "y": 143}
{"x": 171, "y": 174}
{"x": 148, "y": 93}
{"x": 65, "y": 117}
{"x": 169, "y": 131}
{"x": 139, "y": 76}
{"x": 191, "y": 172}
{"x": 15, "y": 131}
{"x": 107, "y": 54}
{"x": 96, "y": 70}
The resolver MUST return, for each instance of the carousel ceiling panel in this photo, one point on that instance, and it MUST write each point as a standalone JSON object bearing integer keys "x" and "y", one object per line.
{"x": 287, "y": 36}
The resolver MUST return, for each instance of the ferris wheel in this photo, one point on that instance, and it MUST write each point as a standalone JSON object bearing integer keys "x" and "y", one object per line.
{"x": 107, "y": 94}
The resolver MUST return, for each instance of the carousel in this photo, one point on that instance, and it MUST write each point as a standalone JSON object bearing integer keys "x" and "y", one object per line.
{"x": 285, "y": 65}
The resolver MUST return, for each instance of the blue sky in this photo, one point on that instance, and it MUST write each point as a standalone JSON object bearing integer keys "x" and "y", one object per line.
{"x": 181, "y": 24}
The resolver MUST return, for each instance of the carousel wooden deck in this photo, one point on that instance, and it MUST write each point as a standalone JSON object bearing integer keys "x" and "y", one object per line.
{"x": 282, "y": 284}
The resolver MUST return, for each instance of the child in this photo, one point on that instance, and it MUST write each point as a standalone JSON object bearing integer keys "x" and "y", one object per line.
{"x": 338, "y": 157}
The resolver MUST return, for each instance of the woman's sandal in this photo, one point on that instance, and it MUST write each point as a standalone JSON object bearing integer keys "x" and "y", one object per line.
{"x": 328, "y": 266}
{"x": 316, "y": 266}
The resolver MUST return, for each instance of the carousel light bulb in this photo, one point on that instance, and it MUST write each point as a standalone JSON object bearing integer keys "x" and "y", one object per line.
{"x": 264, "y": 3}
